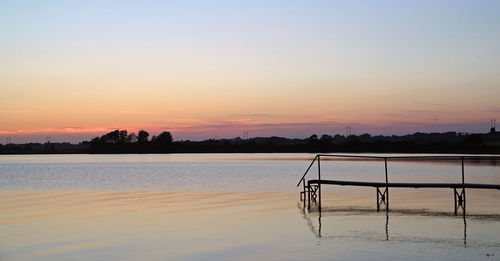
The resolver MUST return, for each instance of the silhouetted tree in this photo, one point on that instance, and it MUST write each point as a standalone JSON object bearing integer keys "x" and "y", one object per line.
{"x": 338, "y": 138}
{"x": 365, "y": 137}
{"x": 313, "y": 143}
{"x": 325, "y": 138}
{"x": 142, "y": 137}
{"x": 352, "y": 138}
{"x": 163, "y": 139}
{"x": 111, "y": 137}
{"x": 473, "y": 140}
{"x": 123, "y": 136}
{"x": 132, "y": 138}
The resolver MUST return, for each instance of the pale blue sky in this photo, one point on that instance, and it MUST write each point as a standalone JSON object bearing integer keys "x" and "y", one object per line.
{"x": 412, "y": 64}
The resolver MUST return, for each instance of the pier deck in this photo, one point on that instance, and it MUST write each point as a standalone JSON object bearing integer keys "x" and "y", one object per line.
{"x": 402, "y": 185}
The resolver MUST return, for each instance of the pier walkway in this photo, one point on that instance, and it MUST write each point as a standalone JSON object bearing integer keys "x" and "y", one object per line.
{"x": 312, "y": 188}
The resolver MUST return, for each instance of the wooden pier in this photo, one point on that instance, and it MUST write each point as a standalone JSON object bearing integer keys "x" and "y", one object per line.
{"x": 312, "y": 188}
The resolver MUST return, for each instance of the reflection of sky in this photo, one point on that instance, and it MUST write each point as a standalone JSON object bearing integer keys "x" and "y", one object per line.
{"x": 142, "y": 225}
{"x": 74, "y": 70}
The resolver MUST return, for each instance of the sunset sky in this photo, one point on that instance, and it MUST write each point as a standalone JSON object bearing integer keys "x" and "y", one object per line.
{"x": 73, "y": 70}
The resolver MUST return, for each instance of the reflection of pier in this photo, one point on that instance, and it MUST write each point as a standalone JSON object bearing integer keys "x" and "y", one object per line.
{"x": 312, "y": 188}
{"x": 316, "y": 227}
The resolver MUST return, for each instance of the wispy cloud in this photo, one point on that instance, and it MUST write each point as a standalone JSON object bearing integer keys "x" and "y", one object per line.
{"x": 261, "y": 115}
{"x": 326, "y": 117}
{"x": 434, "y": 104}
{"x": 189, "y": 120}
{"x": 238, "y": 120}
{"x": 426, "y": 111}
{"x": 16, "y": 111}
{"x": 127, "y": 112}
{"x": 492, "y": 109}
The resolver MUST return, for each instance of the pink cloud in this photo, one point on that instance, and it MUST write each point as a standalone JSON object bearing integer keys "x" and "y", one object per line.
{"x": 55, "y": 130}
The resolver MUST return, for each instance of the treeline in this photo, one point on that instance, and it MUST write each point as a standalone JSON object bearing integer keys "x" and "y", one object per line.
{"x": 121, "y": 141}
{"x": 44, "y": 148}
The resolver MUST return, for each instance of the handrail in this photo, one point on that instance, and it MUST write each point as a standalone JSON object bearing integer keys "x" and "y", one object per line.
{"x": 442, "y": 157}
{"x": 456, "y": 157}
{"x": 310, "y": 165}
{"x": 383, "y": 196}
{"x": 450, "y": 157}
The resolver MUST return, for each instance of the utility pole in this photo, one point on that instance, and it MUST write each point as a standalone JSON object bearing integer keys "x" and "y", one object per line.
{"x": 348, "y": 130}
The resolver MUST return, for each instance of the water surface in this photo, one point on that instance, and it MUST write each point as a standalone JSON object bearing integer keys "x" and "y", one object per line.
{"x": 236, "y": 206}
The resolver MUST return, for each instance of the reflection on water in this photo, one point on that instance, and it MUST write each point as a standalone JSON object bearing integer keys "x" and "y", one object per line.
{"x": 317, "y": 219}
{"x": 57, "y": 225}
{"x": 140, "y": 225}
{"x": 465, "y": 229}
{"x": 387, "y": 226}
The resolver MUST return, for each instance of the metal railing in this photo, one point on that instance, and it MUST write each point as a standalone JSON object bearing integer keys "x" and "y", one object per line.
{"x": 308, "y": 189}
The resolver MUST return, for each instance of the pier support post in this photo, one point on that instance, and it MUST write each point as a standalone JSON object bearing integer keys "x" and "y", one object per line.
{"x": 386, "y": 192}
{"x": 459, "y": 199}
{"x": 455, "y": 200}
{"x": 319, "y": 184}
{"x": 308, "y": 196}
{"x": 303, "y": 193}
{"x": 383, "y": 198}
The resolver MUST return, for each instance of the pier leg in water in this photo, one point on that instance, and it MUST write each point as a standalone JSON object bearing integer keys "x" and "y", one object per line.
{"x": 319, "y": 223}
{"x": 386, "y": 192}
{"x": 465, "y": 230}
{"x": 319, "y": 184}
{"x": 463, "y": 196}
{"x": 387, "y": 226}
{"x": 386, "y": 199}
{"x": 455, "y": 200}
{"x": 303, "y": 194}
{"x": 383, "y": 198}
{"x": 459, "y": 199}
{"x": 319, "y": 201}
{"x": 309, "y": 196}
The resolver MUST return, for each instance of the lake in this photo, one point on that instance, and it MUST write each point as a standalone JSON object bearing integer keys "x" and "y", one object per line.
{"x": 237, "y": 207}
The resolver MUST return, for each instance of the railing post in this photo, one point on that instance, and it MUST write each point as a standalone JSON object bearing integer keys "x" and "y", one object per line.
{"x": 463, "y": 173}
{"x": 386, "y": 187}
{"x": 319, "y": 183}
{"x": 463, "y": 185}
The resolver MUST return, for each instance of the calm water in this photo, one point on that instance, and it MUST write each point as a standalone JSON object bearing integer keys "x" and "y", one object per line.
{"x": 236, "y": 206}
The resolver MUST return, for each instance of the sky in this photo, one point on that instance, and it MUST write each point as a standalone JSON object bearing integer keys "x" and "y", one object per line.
{"x": 73, "y": 70}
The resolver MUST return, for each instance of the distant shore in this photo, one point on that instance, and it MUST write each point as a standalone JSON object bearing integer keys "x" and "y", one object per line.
{"x": 120, "y": 142}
